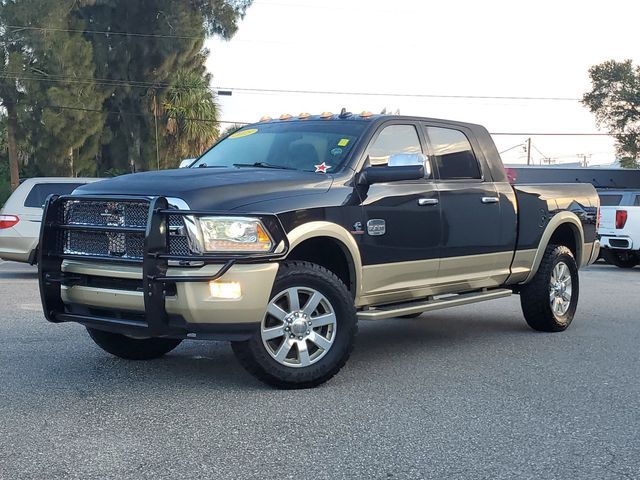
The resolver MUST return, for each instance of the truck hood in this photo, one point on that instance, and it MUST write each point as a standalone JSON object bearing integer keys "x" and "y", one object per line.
{"x": 214, "y": 188}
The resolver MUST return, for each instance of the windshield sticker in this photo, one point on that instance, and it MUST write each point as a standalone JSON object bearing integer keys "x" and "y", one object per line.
{"x": 343, "y": 142}
{"x": 322, "y": 168}
{"x": 336, "y": 151}
{"x": 243, "y": 133}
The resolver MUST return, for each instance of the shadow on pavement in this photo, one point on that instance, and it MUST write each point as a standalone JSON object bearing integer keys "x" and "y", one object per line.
{"x": 211, "y": 366}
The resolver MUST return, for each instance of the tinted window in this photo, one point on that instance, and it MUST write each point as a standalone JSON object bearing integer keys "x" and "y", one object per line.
{"x": 453, "y": 154}
{"x": 393, "y": 139}
{"x": 40, "y": 191}
{"x": 297, "y": 144}
{"x": 610, "y": 200}
{"x": 636, "y": 202}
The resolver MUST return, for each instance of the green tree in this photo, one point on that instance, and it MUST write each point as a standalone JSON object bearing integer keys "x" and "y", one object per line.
{"x": 48, "y": 88}
{"x": 142, "y": 68}
{"x": 615, "y": 100}
{"x": 191, "y": 115}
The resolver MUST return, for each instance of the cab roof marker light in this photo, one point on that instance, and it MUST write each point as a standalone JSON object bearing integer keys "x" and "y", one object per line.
{"x": 265, "y": 118}
{"x": 285, "y": 116}
{"x": 304, "y": 116}
{"x": 366, "y": 114}
{"x": 326, "y": 115}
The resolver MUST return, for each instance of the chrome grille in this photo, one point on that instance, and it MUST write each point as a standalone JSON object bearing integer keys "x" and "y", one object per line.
{"x": 116, "y": 245}
{"x": 93, "y": 212}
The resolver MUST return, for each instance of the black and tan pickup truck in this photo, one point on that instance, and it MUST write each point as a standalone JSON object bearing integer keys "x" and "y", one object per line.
{"x": 285, "y": 234}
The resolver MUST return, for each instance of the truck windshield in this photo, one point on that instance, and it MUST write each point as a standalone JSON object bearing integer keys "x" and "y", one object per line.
{"x": 298, "y": 145}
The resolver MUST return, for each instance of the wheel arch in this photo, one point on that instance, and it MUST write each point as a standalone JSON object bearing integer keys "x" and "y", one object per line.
{"x": 565, "y": 229}
{"x": 313, "y": 240}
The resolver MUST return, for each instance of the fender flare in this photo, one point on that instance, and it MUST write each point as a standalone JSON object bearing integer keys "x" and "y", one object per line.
{"x": 332, "y": 230}
{"x": 556, "y": 221}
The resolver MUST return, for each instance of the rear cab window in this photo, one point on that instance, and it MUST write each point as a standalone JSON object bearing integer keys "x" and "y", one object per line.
{"x": 610, "y": 200}
{"x": 40, "y": 191}
{"x": 453, "y": 154}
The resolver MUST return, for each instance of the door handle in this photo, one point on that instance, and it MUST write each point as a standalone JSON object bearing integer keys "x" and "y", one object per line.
{"x": 427, "y": 201}
{"x": 490, "y": 199}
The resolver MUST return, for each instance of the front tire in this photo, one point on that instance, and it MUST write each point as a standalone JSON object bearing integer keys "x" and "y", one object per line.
{"x": 549, "y": 301}
{"x": 132, "y": 348}
{"x": 308, "y": 331}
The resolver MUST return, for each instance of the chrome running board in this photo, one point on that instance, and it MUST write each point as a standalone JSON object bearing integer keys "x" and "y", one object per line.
{"x": 436, "y": 303}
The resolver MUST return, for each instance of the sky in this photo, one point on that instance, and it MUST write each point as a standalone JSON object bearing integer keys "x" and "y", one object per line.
{"x": 516, "y": 48}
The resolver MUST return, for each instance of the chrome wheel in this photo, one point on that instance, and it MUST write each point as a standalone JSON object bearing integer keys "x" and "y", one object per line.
{"x": 560, "y": 289}
{"x": 299, "y": 327}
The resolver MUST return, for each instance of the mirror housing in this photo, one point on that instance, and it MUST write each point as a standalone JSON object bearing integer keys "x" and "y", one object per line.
{"x": 401, "y": 166}
{"x": 373, "y": 175}
{"x": 186, "y": 162}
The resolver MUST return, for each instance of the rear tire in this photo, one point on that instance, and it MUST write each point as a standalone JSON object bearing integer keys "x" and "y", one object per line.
{"x": 550, "y": 299}
{"x": 623, "y": 259}
{"x": 132, "y": 348}
{"x": 308, "y": 331}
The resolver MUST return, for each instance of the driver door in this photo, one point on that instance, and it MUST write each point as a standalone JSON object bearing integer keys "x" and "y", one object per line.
{"x": 400, "y": 243}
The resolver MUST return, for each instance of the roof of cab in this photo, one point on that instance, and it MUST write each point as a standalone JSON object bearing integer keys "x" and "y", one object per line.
{"x": 369, "y": 117}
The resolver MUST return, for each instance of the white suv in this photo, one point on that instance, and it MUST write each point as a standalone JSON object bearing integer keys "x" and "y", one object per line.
{"x": 21, "y": 215}
{"x": 620, "y": 227}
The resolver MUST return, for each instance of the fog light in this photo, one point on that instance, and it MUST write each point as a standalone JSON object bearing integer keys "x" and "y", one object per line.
{"x": 225, "y": 289}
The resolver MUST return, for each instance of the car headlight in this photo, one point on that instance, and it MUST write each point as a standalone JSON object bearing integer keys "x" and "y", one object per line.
{"x": 234, "y": 234}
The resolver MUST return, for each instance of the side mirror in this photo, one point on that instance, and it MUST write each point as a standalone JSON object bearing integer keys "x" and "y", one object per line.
{"x": 401, "y": 166}
{"x": 186, "y": 162}
{"x": 373, "y": 175}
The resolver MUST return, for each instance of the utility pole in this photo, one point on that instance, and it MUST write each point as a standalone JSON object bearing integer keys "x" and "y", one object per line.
{"x": 585, "y": 158}
{"x": 529, "y": 151}
{"x": 155, "y": 120}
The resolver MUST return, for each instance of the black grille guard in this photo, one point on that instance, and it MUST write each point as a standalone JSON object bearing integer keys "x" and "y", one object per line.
{"x": 155, "y": 259}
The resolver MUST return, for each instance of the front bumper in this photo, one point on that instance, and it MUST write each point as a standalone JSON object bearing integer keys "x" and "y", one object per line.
{"x": 105, "y": 291}
{"x": 150, "y": 298}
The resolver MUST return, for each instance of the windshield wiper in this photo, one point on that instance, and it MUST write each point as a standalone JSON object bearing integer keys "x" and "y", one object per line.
{"x": 263, "y": 165}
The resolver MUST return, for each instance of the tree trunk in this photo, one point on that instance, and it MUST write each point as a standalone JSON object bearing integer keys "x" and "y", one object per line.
{"x": 12, "y": 127}
{"x": 71, "y": 165}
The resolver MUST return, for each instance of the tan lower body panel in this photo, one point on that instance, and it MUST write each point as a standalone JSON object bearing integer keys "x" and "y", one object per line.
{"x": 193, "y": 300}
{"x": 405, "y": 281}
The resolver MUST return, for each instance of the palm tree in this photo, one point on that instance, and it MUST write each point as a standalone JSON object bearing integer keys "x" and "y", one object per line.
{"x": 191, "y": 113}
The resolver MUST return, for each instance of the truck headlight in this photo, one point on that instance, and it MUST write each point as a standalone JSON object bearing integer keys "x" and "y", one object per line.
{"x": 234, "y": 234}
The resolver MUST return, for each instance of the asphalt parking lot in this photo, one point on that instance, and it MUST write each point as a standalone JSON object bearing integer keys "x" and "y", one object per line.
{"x": 464, "y": 393}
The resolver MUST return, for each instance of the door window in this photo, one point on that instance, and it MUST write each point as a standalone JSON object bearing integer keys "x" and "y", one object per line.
{"x": 453, "y": 154}
{"x": 392, "y": 140}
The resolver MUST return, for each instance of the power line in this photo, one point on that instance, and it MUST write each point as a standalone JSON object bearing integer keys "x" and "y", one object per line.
{"x": 560, "y": 134}
{"x": 391, "y": 94}
{"x": 135, "y": 114}
{"x": 141, "y": 84}
{"x": 533, "y": 134}
{"x": 17, "y": 28}
{"x": 511, "y": 148}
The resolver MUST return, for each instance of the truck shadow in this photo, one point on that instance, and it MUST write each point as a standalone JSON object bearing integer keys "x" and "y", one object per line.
{"x": 207, "y": 366}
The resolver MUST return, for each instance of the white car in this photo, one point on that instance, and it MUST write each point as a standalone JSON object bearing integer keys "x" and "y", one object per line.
{"x": 21, "y": 215}
{"x": 620, "y": 227}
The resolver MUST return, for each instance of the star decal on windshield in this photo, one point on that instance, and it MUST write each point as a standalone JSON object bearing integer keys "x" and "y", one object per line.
{"x": 322, "y": 168}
